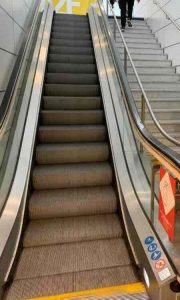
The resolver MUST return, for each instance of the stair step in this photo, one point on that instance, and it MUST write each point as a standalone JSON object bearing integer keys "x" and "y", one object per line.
{"x": 160, "y": 86}
{"x": 74, "y": 50}
{"x": 156, "y": 93}
{"x": 156, "y": 78}
{"x": 164, "y": 114}
{"x": 69, "y": 36}
{"x": 144, "y": 57}
{"x": 138, "y": 41}
{"x": 71, "y": 153}
{"x": 165, "y": 141}
{"x": 70, "y": 43}
{"x": 71, "y": 282}
{"x": 56, "y": 66}
{"x": 141, "y": 35}
{"x": 72, "y": 175}
{"x": 150, "y": 63}
{"x": 168, "y": 125}
{"x": 70, "y": 17}
{"x": 71, "y": 90}
{"x": 72, "y": 117}
{"x": 74, "y": 257}
{"x": 67, "y": 78}
{"x": 141, "y": 51}
{"x": 139, "y": 45}
{"x": 152, "y": 70}
{"x": 73, "y": 133}
{"x": 137, "y": 30}
{"x": 72, "y": 202}
{"x": 72, "y": 229}
{"x": 163, "y": 103}
{"x": 72, "y": 103}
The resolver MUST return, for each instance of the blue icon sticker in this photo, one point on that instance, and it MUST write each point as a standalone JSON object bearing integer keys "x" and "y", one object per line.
{"x": 156, "y": 255}
{"x": 149, "y": 240}
{"x": 152, "y": 247}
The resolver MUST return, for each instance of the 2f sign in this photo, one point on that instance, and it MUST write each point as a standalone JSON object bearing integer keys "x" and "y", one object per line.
{"x": 70, "y": 4}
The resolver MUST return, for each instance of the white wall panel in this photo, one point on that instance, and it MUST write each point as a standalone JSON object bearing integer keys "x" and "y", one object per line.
{"x": 6, "y": 65}
{"x": 7, "y": 6}
{"x": 20, "y": 12}
{"x": 18, "y": 36}
{"x": 7, "y": 35}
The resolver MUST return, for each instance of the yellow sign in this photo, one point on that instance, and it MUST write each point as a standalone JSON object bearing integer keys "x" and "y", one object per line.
{"x": 77, "y": 7}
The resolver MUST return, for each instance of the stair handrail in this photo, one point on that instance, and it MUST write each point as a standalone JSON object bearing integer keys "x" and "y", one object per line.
{"x": 144, "y": 98}
{"x": 156, "y": 2}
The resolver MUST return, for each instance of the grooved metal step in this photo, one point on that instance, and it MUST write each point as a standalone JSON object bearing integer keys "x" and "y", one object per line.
{"x": 71, "y": 90}
{"x": 55, "y": 66}
{"x": 75, "y": 30}
{"x": 48, "y": 154}
{"x": 69, "y": 36}
{"x": 72, "y": 230}
{"x": 72, "y": 133}
{"x": 71, "y": 103}
{"x": 70, "y": 43}
{"x": 72, "y": 175}
{"x": 91, "y": 255}
{"x": 66, "y": 78}
{"x": 71, "y": 202}
{"x": 72, "y": 117}
{"x": 75, "y": 50}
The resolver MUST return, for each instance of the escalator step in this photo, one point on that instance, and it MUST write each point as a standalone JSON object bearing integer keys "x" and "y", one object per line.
{"x": 70, "y": 17}
{"x": 70, "y": 59}
{"x": 71, "y": 90}
{"x": 71, "y": 23}
{"x": 71, "y": 282}
{"x": 72, "y": 103}
{"x": 70, "y": 29}
{"x": 72, "y": 175}
{"x": 69, "y": 36}
{"x": 72, "y": 202}
{"x": 66, "y": 78}
{"x": 73, "y": 257}
{"x": 56, "y": 65}
{"x": 74, "y": 133}
{"x": 72, "y": 229}
{"x": 74, "y": 50}
{"x": 71, "y": 117}
{"x": 71, "y": 153}
{"x": 70, "y": 43}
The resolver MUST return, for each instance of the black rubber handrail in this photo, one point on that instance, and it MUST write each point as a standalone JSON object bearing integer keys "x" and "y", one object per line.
{"x": 154, "y": 142}
{"x": 5, "y": 104}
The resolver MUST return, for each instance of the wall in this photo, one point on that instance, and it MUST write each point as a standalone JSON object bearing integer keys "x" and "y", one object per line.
{"x": 168, "y": 35}
{"x": 79, "y": 7}
{"x": 13, "y": 22}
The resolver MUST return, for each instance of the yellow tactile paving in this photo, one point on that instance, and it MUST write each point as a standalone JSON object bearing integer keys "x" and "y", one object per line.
{"x": 128, "y": 289}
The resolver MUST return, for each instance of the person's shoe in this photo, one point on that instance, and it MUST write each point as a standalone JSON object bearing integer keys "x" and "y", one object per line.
{"x": 129, "y": 23}
{"x": 123, "y": 28}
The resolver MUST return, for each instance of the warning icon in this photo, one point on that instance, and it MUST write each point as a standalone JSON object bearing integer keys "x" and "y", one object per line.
{"x": 160, "y": 264}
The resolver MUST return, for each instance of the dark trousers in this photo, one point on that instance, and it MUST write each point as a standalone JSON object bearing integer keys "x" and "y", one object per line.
{"x": 122, "y": 6}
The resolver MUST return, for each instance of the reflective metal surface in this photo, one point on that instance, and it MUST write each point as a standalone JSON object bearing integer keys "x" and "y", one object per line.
{"x": 12, "y": 217}
{"x": 130, "y": 177}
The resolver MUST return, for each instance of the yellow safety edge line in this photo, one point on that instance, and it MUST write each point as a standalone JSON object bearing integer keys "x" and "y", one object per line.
{"x": 127, "y": 288}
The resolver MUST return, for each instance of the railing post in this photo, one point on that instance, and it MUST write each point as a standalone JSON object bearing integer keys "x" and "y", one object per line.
{"x": 114, "y": 29}
{"x": 107, "y": 7}
{"x": 143, "y": 114}
{"x": 125, "y": 60}
{"x": 154, "y": 168}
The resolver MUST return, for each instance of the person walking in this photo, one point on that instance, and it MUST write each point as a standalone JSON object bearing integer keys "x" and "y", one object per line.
{"x": 122, "y": 6}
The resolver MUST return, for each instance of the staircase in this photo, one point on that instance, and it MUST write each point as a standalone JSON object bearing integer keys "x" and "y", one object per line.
{"x": 74, "y": 239}
{"x": 158, "y": 77}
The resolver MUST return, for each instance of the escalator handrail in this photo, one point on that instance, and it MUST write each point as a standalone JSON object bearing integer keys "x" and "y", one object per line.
{"x": 165, "y": 152}
{"x": 163, "y": 132}
{"x": 6, "y": 101}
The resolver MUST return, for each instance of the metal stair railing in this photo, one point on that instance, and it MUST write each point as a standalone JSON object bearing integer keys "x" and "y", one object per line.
{"x": 144, "y": 99}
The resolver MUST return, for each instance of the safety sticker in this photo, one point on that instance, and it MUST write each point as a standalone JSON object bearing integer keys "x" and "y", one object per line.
{"x": 160, "y": 264}
{"x": 152, "y": 247}
{"x": 164, "y": 274}
{"x": 149, "y": 240}
{"x": 156, "y": 255}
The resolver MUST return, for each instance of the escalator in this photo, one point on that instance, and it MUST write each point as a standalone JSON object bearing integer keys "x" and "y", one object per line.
{"x": 74, "y": 238}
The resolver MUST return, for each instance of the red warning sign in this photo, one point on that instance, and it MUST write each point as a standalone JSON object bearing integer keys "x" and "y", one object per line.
{"x": 160, "y": 264}
{"x": 167, "y": 202}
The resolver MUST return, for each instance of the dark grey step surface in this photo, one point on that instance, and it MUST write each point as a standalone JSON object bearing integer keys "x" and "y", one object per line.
{"x": 48, "y": 154}
{"x": 66, "y": 78}
{"x": 70, "y": 43}
{"x": 69, "y": 36}
{"x": 72, "y": 133}
{"x": 71, "y": 90}
{"x": 71, "y": 103}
